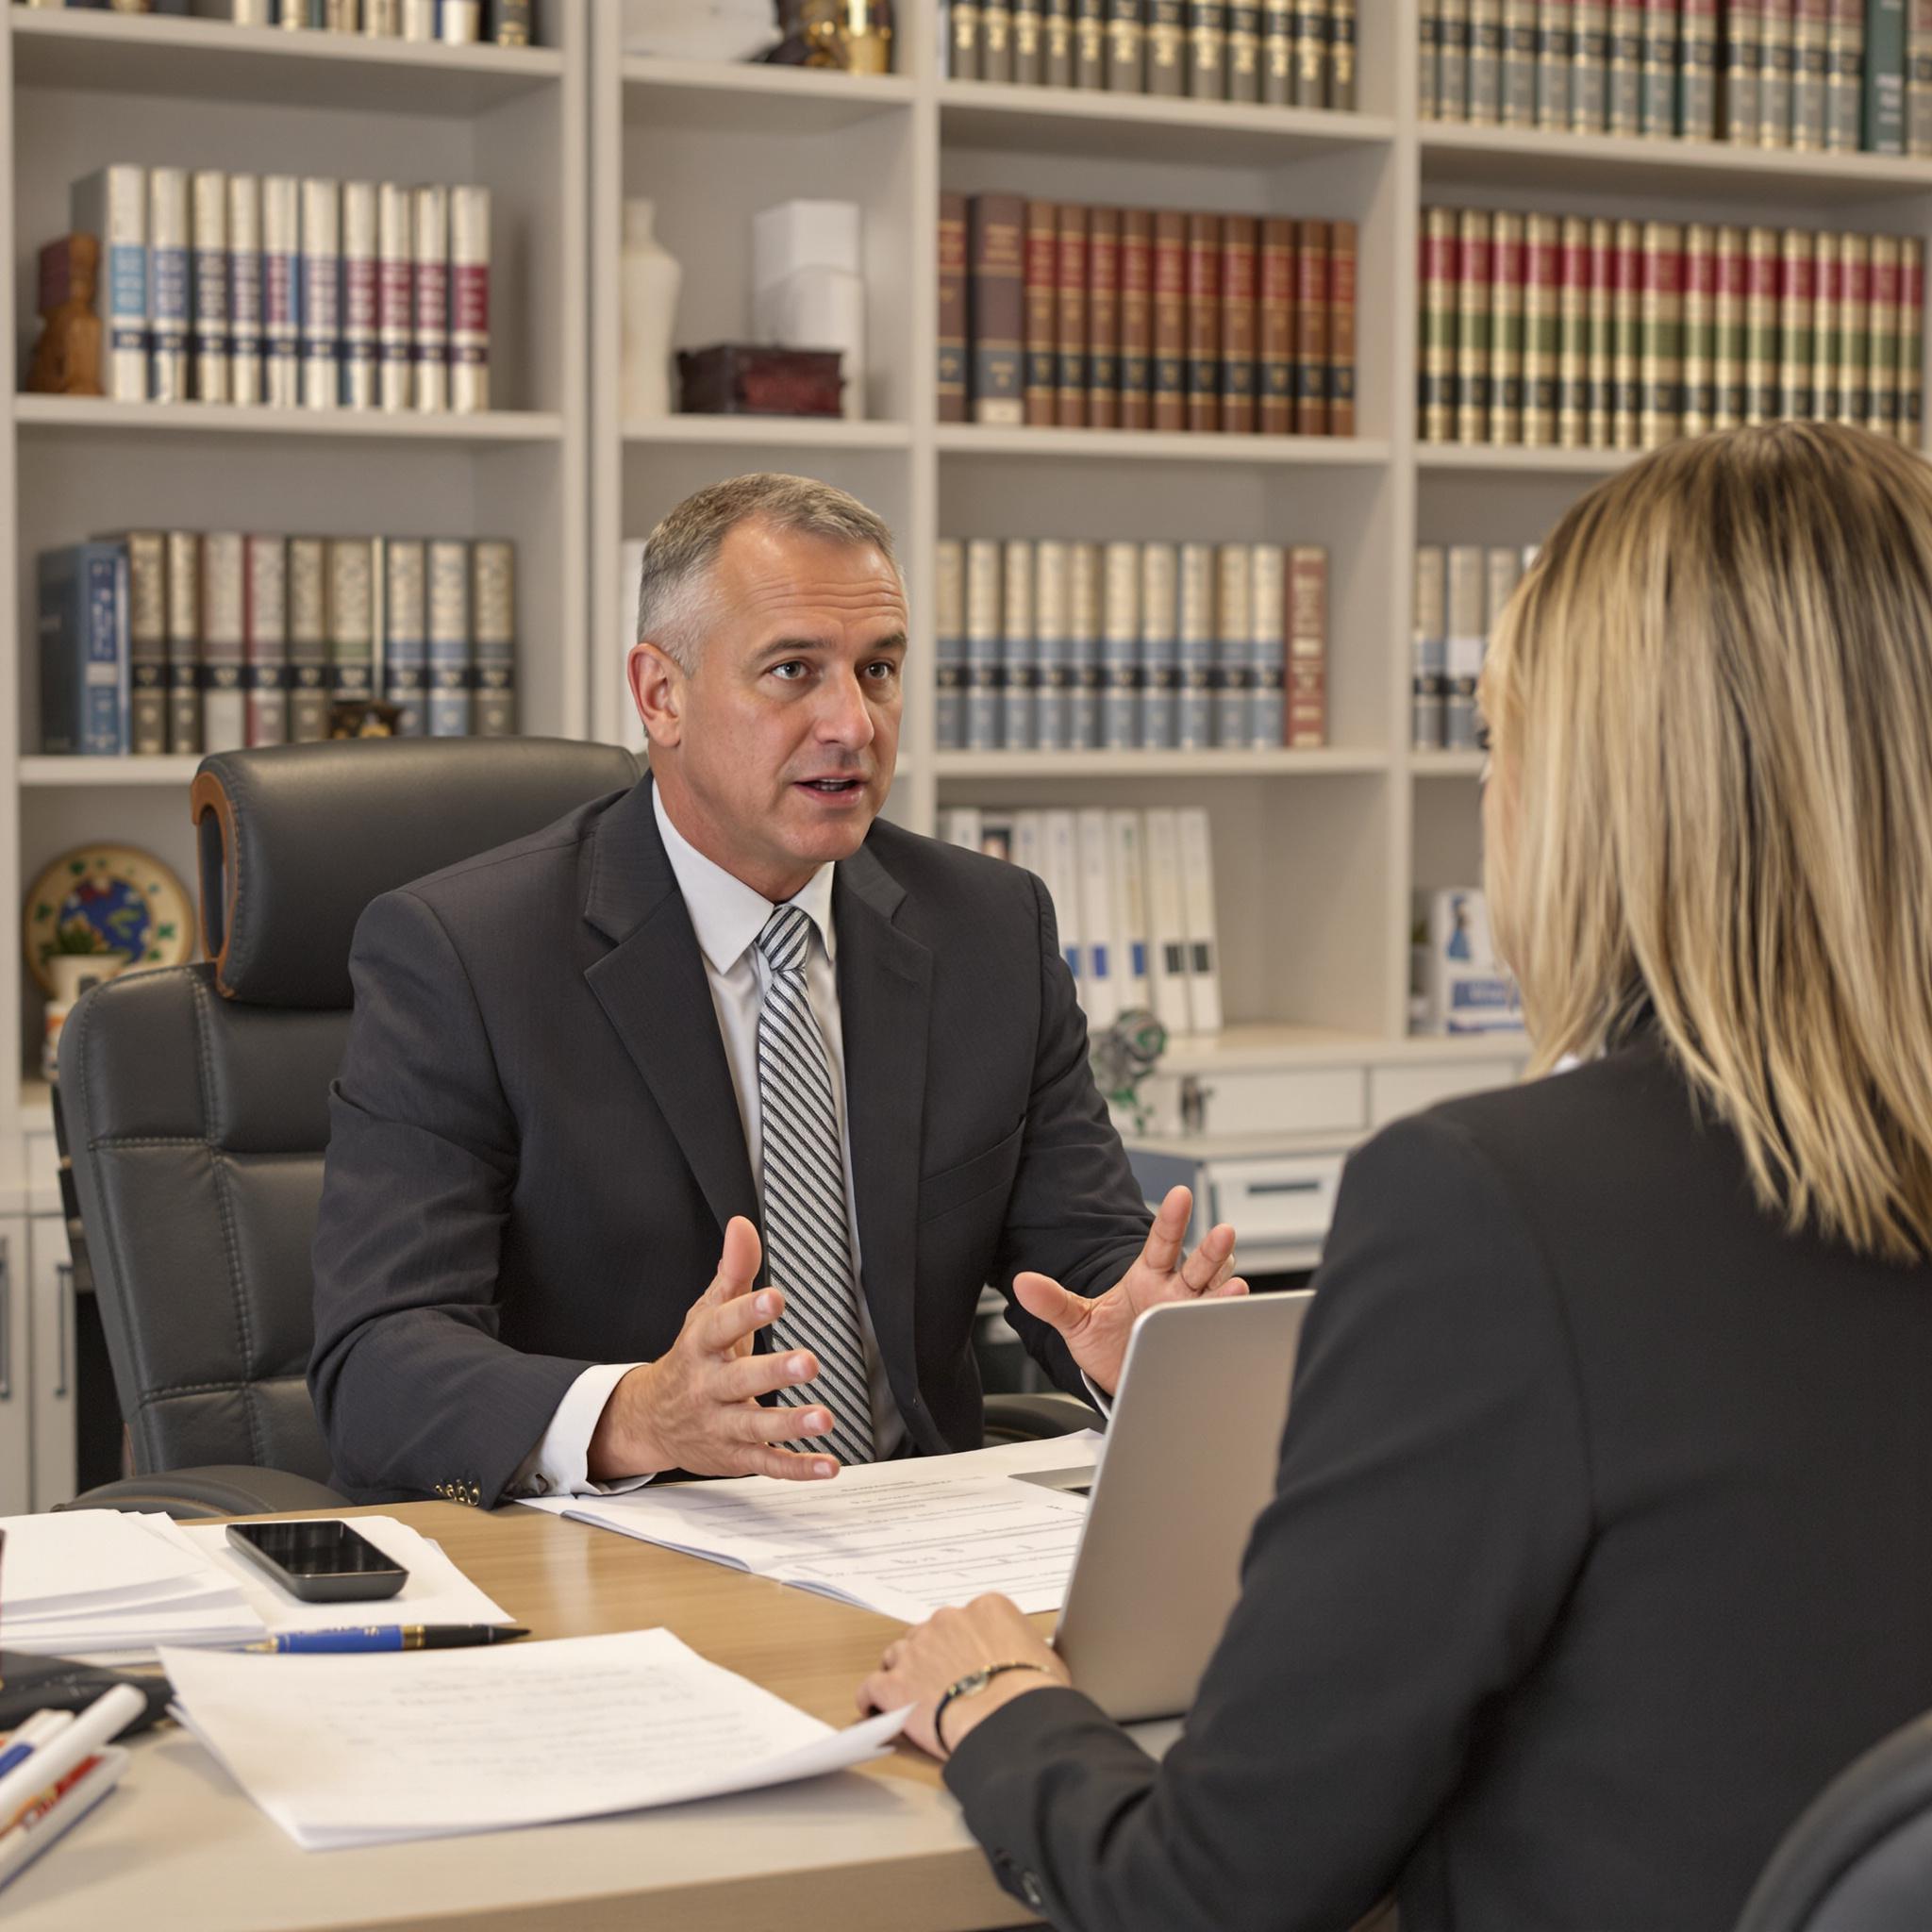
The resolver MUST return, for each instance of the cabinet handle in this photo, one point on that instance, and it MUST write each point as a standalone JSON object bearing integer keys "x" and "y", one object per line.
{"x": 63, "y": 1325}
{"x": 1285, "y": 1188}
{"x": 6, "y": 1321}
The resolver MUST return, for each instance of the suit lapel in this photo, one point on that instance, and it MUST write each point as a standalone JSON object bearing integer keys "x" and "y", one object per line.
{"x": 652, "y": 989}
{"x": 884, "y": 993}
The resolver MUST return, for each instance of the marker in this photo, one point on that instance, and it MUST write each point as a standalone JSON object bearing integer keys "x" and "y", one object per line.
{"x": 41, "y": 1729}
{"x": 389, "y": 1637}
{"x": 106, "y": 1718}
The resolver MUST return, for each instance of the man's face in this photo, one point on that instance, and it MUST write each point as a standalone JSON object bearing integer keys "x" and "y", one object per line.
{"x": 776, "y": 753}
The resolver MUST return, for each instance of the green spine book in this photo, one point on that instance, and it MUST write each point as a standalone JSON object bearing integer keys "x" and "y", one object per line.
{"x": 1542, "y": 345}
{"x": 997, "y": 39}
{"x": 1243, "y": 51}
{"x": 1590, "y": 66}
{"x": 1341, "y": 55}
{"x": 1056, "y": 59}
{"x": 1743, "y": 57}
{"x": 1661, "y": 329}
{"x": 1307, "y": 52}
{"x": 1627, "y": 347}
{"x": 1883, "y": 121}
{"x": 1776, "y": 59}
{"x": 1573, "y": 337}
{"x": 1452, "y": 67}
{"x": 1727, "y": 372}
{"x": 1519, "y": 63}
{"x": 1167, "y": 49}
{"x": 1439, "y": 320}
{"x": 1919, "y": 80}
{"x": 1485, "y": 62}
{"x": 1429, "y": 55}
{"x": 1125, "y": 49}
{"x": 1881, "y": 339}
{"x": 1090, "y": 44}
{"x": 997, "y": 306}
{"x": 1854, "y": 298}
{"x": 1797, "y": 294}
{"x": 1911, "y": 340}
{"x": 1700, "y": 327}
{"x": 1505, "y": 329}
{"x": 1554, "y": 52}
{"x": 1826, "y": 271}
{"x": 1760, "y": 326}
{"x": 1624, "y": 95}
{"x": 1602, "y": 334}
{"x": 1810, "y": 35}
{"x": 1844, "y": 75}
{"x": 1659, "y": 97}
{"x": 1472, "y": 324}
{"x": 1697, "y": 75}
{"x": 962, "y": 41}
{"x": 1029, "y": 41}
{"x": 1207, "y": 49}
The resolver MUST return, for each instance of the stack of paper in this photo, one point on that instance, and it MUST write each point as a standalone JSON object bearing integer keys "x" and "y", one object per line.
{"x": 364, "y": 1750}
{"x": 95, "y": 1582}
{"x": 903, "y": 1537}
{"x": 100, "y": 1585}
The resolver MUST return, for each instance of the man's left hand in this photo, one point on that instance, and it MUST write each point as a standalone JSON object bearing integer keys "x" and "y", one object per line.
{"x": 1096, "y": 1331}
{"x": 918, "y": 1666}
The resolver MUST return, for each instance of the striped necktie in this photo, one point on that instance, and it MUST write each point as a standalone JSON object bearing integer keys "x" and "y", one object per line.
{"x": 807, "y": 1243}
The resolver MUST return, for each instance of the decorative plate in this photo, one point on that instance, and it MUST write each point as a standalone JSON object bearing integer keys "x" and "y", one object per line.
{"x": 108, "y": 899}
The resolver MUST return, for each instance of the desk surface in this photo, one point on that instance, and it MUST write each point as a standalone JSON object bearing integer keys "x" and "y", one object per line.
{"x": 175, "y": 1848}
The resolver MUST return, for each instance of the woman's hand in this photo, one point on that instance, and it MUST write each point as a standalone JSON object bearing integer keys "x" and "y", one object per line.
{"x": 918, "y": 1666}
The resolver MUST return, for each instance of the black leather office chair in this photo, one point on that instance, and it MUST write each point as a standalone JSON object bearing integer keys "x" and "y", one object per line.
{"x": 1860, "y": 1860}
{"x": 194, "y": 1100}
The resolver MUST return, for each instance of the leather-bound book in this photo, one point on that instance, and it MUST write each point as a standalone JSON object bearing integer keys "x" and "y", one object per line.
{"x": 1170, "y": 320}
{"x": 1103, "y": 317}
{"x": 1070, "y": 309}
{"x": 1136, "y": 318}
{"x": 1204, "y": 323}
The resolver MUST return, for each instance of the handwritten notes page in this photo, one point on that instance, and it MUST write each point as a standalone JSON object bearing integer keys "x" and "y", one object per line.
{"x": 364, "y": 1750}
{"x": 905, "y": 1537}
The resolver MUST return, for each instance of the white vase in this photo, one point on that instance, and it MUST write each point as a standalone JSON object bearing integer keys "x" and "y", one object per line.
{"x": 648, "y": 281}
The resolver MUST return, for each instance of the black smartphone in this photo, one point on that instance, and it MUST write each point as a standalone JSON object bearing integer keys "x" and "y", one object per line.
{"x": 321, "y": 1562}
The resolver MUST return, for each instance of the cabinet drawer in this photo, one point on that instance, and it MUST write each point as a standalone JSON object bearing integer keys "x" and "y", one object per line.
{"x": 1268, "y": 1100}
{"x": 1397, "y": 1091}
{"x": 1275, "y": 1199}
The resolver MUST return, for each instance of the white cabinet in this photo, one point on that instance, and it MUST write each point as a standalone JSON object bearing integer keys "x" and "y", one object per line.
{"x": 16, "y": 1370}
{"x": 49, "y": 1295}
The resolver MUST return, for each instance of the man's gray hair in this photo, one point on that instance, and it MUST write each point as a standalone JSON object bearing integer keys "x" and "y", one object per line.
{"x": 679, "y": 553}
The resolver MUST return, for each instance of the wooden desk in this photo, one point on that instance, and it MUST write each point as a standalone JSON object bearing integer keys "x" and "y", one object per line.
{"x": 175, "y": 1848}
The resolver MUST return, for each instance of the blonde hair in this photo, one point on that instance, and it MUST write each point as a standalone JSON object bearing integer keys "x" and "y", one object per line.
{"x": 1712, "y": 705}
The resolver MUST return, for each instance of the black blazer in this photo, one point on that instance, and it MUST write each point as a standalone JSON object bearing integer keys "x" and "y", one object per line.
{"x": 535, "y": 1145}
{"x": 1602, "y": 1539}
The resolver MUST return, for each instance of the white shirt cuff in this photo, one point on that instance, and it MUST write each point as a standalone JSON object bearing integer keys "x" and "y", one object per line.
{"x": 1102, "y": 1403}
{"x": 560, "y": 1464}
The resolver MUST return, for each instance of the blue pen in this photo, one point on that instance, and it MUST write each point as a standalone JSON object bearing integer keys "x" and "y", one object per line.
{"x": 41, "y": 1729}
{"x": 389, "y": 1637}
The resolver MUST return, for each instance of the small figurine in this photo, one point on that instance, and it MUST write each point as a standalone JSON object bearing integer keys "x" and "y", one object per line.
{"x": 855, "y": 34}
{"x": 67, "y": 358}
{"x": 364, "y": 718}
{"x": 1123, "y": 1055}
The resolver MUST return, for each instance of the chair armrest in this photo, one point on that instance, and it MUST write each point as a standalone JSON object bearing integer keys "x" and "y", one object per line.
{"x": 217, "y": 1490}
{"x": 1033, "y": 1418}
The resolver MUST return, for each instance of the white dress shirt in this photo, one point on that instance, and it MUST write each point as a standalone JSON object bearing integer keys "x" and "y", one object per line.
{"x": 727, "y": 917}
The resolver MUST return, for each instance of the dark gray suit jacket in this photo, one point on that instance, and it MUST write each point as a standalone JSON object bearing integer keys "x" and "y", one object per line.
{"x": 535, "y": 1145}
{"x": 1602, "y": 1539}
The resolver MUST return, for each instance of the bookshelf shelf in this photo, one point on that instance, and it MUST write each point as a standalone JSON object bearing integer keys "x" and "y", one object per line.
{"x": 1598, "y": 163}
{"x": 1447, "y": 764}
{"x": 1061, "y": 121}
{"x": 1111, "y": 445}
{"x": 1057, "y": 767}
{"x": 1476, "y": 458}
{"x": 209, "y": 59}
{"x": 96, "y": 416}
{"x": 720, "y": 96}
{"x": 768, "y": 432}
{"x": 82, "y": 773}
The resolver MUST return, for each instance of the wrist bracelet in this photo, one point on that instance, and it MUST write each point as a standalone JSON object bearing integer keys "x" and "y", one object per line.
{"x": 970, "y": 1685}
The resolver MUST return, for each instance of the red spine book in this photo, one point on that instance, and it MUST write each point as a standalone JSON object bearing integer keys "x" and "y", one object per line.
{"x": 1311, "y": 330}
{"x": 1072, "y": 308}
{"x": 1342, "y": 255}
{"x": 1103, "y": 317}
{"x": 1170, "y": 321}
{"x": 1137, "y": 318}
{"x": 1043, "y": 339}
{"x": 1306, "y": 715}
{"x": 1237, "y": 323}
{"x": 1204, "y": 323}
{"x": 952, "y": 317}
{"x": 1274, "y": 324}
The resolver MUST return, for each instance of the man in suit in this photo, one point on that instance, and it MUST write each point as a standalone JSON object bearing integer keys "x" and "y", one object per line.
{"x": 588, "y": 1069}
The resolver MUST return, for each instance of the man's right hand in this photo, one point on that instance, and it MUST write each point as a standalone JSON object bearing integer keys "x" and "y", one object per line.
{"x": 696, "y": 1408}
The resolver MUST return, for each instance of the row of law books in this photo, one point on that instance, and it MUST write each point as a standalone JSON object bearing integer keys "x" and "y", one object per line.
{"x": 1053, "y": 314}
{"x": 1819, "y": 75}
{"x": 1282, "y": 53}
{"x": 285, "y": 291}
{"x": 1593, "y": 334}
{"x": 455, "y": 23}
{"x": 1051, "y": 647}
{"x": 183, "y": 641}
{"x": 1460, "y": 589}
{"x": 1133, "y": 898}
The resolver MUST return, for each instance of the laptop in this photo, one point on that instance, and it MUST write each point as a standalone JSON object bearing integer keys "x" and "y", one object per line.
{"x": 1188, "y": 1464}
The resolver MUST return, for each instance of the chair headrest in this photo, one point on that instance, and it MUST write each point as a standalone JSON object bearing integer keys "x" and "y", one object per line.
{"x": 296, "y": 841}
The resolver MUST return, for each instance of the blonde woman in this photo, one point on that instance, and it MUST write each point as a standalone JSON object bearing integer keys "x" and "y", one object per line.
{"x": 1602, "y": 1529}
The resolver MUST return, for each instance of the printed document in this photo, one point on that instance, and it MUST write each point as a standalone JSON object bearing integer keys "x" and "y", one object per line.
{"x": 365, "y": 1750}
{"x": 903, "y": 1537}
